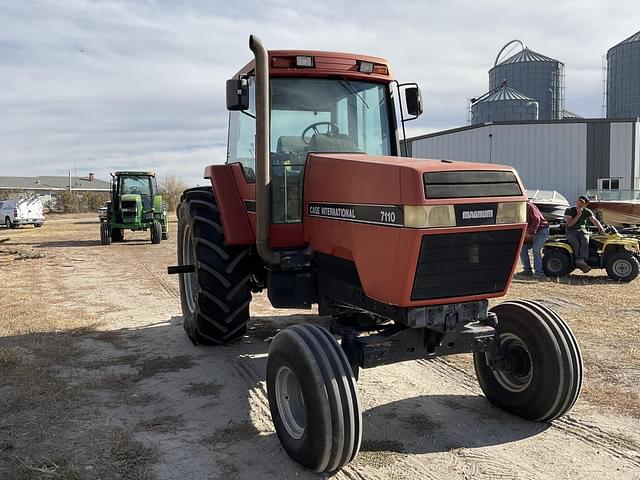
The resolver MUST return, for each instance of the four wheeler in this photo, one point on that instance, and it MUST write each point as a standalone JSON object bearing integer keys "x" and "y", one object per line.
{"x": 315, "y": 206}
{"x": 135, "y": 205}
{"x": 616, "y": 253}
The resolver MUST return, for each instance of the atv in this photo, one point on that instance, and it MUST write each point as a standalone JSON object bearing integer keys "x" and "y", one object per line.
{"x": 613, "y": 251}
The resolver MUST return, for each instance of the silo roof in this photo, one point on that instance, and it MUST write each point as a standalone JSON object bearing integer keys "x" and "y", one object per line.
{"x": 633, "y": 38}
{"x": 527, "y": 55}
{"x": 503, "y": 93}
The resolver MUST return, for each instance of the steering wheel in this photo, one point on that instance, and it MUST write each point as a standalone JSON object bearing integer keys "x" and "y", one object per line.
{"x": 331, "y": 127}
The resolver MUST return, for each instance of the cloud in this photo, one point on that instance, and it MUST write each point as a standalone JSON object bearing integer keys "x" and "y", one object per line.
{"x": 101, "y": 85}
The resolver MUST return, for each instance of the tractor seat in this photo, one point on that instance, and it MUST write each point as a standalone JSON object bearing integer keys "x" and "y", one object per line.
{"x": 332, "y": 142}
{"x": 290, "y": 144}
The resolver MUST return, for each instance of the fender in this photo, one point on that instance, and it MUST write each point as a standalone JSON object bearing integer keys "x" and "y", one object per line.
{"x": 237, "y": 229}
{"x": 559, "y": 245}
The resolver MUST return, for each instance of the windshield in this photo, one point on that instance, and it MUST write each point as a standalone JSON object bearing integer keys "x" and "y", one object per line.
{"x": 139, "y": 185}
{"x": 311, "y": 115}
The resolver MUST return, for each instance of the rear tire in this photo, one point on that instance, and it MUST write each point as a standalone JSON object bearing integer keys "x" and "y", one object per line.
{"x": 622, "y": 266}
{"x": 541, "y": 376}
{"x": 8, "y": 223}
{"x": 313, "y": 398}
{"x": 215, "y": 298}
{"x": 105, "y": 233}
{"x": 556, "y": 263}
{"x": 117, "y": 235}
{"x": 37, "y": 225}
{"x": 156, "y": 233}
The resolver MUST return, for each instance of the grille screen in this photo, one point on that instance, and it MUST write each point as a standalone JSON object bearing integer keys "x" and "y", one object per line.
{"x": 459, "y": 264}
{"x": 470, "y": 184}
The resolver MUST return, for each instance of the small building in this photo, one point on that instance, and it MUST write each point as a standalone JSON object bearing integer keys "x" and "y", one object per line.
{"x": 571, "y": 155}
{"x": 49, "y": 187}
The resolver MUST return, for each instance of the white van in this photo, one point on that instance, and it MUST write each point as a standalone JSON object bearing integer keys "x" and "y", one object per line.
{"x": 21, "y": 211}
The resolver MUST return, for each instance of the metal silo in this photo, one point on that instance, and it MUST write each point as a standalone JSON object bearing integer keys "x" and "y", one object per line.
{"x": 502, "y": 105}
{"x": 623, "y": 78}
{"x": 536, "y": 76}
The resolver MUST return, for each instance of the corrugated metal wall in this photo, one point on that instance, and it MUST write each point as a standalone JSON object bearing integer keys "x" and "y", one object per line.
{"x": 621, "y": 153}
{"x": 546, "y": 156}
{"x": 567, "y": 157}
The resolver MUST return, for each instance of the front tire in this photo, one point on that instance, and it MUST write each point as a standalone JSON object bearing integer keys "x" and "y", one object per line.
{"x": 105, "y": 233}
{"x": 156, "y": 233}
{"x": 622, "y": 266}
{"x": 541, "y": 373}
{"x": 215, "y": 298}
{"x": 313, "y": 398}
{"x": 556, "y": 263}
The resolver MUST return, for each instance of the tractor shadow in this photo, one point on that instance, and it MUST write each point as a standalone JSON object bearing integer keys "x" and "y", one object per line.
{"x": 441, "y": 423}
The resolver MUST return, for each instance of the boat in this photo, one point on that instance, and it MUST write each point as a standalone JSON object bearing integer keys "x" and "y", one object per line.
{"x": 616, "y": 207}
{"x": 551, "y": 204}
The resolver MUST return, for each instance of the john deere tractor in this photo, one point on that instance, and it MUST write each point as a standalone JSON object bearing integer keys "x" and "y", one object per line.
{"x": 135, "y": 205}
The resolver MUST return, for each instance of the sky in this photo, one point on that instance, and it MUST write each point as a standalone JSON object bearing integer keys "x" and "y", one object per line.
{"x": 98, "y": 86}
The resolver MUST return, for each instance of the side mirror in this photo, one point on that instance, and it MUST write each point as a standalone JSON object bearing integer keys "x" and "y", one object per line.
{"x": 237, "y": 94}
{"x": 414, "y": 101}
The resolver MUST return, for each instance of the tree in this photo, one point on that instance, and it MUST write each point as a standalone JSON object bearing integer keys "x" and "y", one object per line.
{"x": 171, "y": 187}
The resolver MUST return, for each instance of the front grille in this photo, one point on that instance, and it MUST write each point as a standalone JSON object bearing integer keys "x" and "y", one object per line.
{"x": 128, "y": 210}
{"x": 460, "y": 264}
{"x": 470, "y": 184}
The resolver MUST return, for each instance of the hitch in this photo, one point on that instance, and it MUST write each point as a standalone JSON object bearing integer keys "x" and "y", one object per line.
{"x": 181, "y": 269}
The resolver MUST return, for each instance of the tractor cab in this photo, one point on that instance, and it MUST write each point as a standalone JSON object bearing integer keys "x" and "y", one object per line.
{"x": 319, "y": 102}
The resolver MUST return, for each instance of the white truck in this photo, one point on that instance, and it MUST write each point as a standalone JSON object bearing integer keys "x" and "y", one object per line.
{"x": 21, "y": 211}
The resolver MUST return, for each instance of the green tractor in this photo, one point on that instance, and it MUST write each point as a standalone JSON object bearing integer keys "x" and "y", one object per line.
{"x": 135, "y": 205}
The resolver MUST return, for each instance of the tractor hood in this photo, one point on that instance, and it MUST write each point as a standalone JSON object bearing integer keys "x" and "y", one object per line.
{"x": 357, "y": 178}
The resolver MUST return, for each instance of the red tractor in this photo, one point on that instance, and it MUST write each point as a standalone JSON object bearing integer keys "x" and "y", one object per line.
{"x": 316, "y": 205}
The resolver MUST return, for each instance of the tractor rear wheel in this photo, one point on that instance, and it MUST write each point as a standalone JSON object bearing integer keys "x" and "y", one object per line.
{"x": 313, "y": 398}
{"x": 540, "y": 376}
{"x": 156, "y": 233}
{"x": 556, "y": 263}
{"x": 105, "y": 233}
{"x": 117, "y": 235}
{"x": 622, "y": 266}
{"x": 215, "y": 298}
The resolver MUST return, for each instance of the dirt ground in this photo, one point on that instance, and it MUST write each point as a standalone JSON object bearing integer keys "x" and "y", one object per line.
{"x": 99, "y": 381}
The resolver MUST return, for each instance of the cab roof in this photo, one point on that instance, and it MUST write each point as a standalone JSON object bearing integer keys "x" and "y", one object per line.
{"x": 282, "y": 63}
{"x": 139, "y": 174}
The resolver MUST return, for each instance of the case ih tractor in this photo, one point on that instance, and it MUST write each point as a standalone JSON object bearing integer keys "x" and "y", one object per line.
{"x": 316, "y": 206}
{"x": 135, "y": 205}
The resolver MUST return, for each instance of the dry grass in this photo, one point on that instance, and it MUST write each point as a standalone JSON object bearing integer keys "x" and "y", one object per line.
{"x": 379, "y": 453}
{"x": 234, "y": 432}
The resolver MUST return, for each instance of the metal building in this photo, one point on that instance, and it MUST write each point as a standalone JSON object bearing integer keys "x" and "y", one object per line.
{"x": 570, "y": 156}
{"x": 534, "y": 75}
{"x": 503, "y": 104}
{"x": 623, "y": 78}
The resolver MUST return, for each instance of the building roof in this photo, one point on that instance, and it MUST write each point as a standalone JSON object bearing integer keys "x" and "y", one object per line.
{"x": 50, "y": 183}
{"x": 633, "y": 38}
{"x": 501, "y": 94}
{"x": 527, "y": 55}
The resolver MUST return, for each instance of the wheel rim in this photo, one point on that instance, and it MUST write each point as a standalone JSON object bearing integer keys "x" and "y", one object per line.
{"x": 290, "y": 402}
{"x": 554, "y": 265}
{"x": 190, "y": 279}
{"x": 519, "y": 372}
{"x": 622, "y": 268}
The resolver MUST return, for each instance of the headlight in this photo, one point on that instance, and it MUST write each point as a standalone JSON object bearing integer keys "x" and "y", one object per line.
{"x": 418, "y": 216}
{"x": 512, "y": 212}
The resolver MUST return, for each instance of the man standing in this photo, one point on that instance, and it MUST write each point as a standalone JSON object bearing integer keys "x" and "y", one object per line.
{"x": 537, "y": 233}
{"x": 577, "y": 235}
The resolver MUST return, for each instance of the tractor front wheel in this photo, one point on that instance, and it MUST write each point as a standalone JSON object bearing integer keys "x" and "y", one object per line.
{"x": 313, "y": 398}
{"x": 540, "y": 373}
{"x": 622, "y": 266}
{"x": 156, "y": 233}
{"x": 105, "y": 233}
{"x": 556, "y": 263}
{"x": 215, "y": 297}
